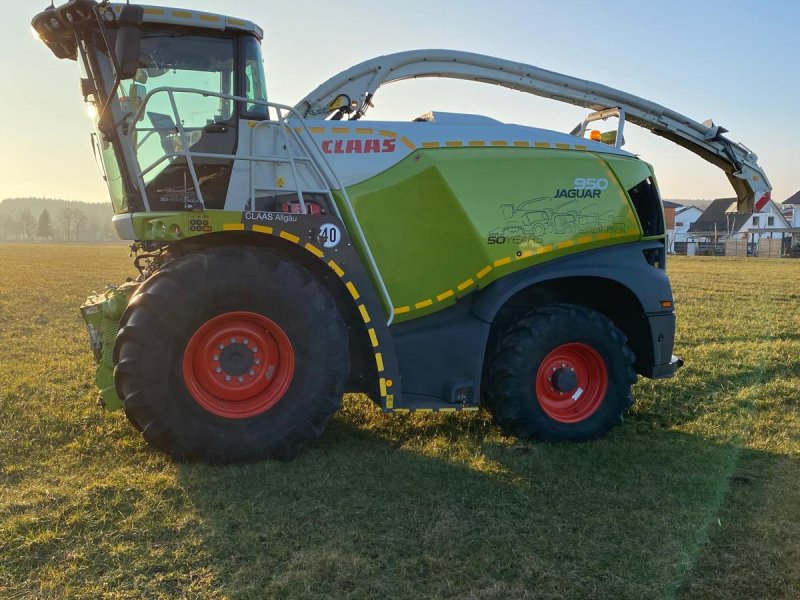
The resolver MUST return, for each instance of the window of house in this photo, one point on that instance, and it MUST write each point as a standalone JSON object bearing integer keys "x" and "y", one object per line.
{"x": 678, "y": 223}
{"x": 755, "y": 221}
{"x": 770, "y": 221}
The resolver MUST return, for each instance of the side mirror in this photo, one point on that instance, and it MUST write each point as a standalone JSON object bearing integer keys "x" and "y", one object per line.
{"x": 128, "y": 44}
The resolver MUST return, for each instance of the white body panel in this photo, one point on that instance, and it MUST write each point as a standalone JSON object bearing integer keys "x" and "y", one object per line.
{"x": 359, "y": 150}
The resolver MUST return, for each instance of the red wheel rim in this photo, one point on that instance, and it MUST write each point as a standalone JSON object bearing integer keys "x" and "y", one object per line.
{"x": 238, "y": 365}
{"x": 571, "y": 383}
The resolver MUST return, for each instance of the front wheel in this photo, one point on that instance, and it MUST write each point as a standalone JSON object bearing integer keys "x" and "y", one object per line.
{"x": 231, "y": 355}
{"x": 561, "y": 373}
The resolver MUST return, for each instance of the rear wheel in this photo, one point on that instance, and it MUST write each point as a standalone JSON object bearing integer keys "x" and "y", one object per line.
{"x": 231, "y": 355}
{"x": 561, "y": 373}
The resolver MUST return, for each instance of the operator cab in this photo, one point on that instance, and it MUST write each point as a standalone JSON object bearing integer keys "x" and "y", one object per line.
{"x": 150, "y": 109}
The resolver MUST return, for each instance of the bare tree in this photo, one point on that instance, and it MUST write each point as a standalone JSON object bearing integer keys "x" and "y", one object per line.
{"x": 27, "y": 224}
{"x": 67, "y": 218}
{"x": 80, "y": 221}
{"x": 11, "y": 226}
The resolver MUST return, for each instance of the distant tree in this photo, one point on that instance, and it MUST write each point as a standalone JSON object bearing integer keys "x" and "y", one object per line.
{"x": 80, "y": 222}
{"x": 27, "y": 224}
{"x": 11, "y": 226}
{"x": 67, "y": 218}
{"x": 44, "y": 229}
{"x": 5, "y": 228}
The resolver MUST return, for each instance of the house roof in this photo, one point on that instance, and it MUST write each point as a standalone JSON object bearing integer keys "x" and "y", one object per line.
{"x": 671, "y": 204}
{"x": 720, "y": 218}
{"x": 683, "y": 209}
{"x": 793, "y": 199}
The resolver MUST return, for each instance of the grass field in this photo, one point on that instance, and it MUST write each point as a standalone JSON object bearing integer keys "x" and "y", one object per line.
{"x": 697, "y": 496}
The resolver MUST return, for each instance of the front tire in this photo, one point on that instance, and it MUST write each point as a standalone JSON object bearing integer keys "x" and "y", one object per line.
{"x": 231, "y": 355}
{"x": 561, "y": 373}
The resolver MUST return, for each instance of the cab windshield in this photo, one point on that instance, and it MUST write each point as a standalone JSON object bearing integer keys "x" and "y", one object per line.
{"x": 180, "y": 61}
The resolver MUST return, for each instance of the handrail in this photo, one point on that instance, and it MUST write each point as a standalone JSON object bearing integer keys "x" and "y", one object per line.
{"x": 316, "y": 158}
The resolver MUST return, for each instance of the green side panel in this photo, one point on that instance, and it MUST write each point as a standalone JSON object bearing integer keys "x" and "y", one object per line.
{"x": 445, "y": 222}
{"x": 628, "y": 172}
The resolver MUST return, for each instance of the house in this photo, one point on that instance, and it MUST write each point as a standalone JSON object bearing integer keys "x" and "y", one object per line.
{"x": 792, "y": 210}
{"x": 720, "y": 222}
{"x": 684, "y": 217}
{"x": 670, "y": 208}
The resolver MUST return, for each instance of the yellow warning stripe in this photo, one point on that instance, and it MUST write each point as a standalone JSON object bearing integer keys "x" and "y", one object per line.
{"x": 484, "y": 272}
{"x": 447, "y": 143}
{"x": 373, "y": 338}
{"x": 314, "y": 250}
{"x": 465, "y": 284}
{"x": 289, "y": 236}
{"x": 364, "y": 314}
{"x": 444, "y": 409}
{"x": 233, "y": 227}
{"x": 336, "y": 268}
{"x": 262, "y": 229}
{"x": 445, "y": 295}
{"x": 353, "y": 291}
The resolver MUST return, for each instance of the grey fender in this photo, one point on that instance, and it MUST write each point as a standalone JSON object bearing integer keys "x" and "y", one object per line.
{"x": 445, "y": 352}
{"x": 625, "y": 265}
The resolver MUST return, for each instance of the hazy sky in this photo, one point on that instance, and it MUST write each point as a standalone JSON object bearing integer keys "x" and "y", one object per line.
{"x": 735, "y": 61}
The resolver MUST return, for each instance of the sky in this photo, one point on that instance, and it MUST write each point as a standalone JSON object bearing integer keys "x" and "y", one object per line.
{"x": 735, "y": 61}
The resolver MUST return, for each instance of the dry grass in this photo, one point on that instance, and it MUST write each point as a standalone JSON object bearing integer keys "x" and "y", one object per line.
{"x": 698, "y": 496}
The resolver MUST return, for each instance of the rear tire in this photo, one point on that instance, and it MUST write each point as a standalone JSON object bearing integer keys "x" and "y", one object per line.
{"x": 279, "y": 373}
{"x": 561, "y": 373}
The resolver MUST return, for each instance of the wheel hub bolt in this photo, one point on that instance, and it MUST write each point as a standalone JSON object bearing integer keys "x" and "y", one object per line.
{"x": 564, "y": 380}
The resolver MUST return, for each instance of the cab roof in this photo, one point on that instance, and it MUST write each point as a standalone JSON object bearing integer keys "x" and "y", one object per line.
{"x": 194, "y": 18}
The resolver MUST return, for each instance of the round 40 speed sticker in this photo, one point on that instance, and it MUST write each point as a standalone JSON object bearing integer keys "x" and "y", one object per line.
{"x": 329, "y": 235}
